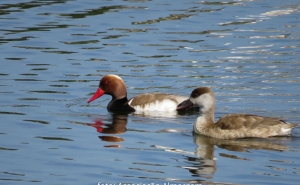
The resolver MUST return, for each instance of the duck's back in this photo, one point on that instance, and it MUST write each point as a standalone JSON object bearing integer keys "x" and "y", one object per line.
{"x": 247, "y": 125}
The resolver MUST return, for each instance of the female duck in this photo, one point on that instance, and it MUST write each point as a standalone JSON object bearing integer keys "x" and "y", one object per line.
{"x": 233, "y": 125}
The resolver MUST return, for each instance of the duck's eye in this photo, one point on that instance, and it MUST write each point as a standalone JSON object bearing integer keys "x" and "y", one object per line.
{"x": 194, "y": 95}
{"x": 105, "y": 82}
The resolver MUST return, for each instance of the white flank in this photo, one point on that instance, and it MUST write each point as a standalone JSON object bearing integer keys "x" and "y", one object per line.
{"x": 165, "y": 105}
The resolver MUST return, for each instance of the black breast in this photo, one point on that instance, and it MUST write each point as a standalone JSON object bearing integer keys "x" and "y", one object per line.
{"x": 120, "y": 105}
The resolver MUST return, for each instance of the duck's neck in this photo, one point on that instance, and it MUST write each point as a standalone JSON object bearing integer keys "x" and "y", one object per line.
{"x": 205, "y": 118}
{"x": 120, "y": 105}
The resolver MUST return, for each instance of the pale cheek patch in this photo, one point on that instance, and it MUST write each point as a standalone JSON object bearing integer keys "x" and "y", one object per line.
{"x": 205, "y": 101}
{"x": 165, "y": 105}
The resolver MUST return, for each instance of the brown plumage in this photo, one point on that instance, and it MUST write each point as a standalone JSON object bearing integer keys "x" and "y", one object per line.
{"x": 233, "y": 125}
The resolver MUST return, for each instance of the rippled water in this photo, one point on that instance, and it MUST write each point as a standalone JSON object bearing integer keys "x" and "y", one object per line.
{"x": 53, "y": 53}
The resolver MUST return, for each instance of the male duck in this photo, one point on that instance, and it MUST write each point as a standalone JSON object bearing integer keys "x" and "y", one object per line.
{"x": 113, "y": 85}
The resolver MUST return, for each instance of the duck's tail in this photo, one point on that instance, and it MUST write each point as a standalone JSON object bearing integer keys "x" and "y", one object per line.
{"x": 295, "y": 125}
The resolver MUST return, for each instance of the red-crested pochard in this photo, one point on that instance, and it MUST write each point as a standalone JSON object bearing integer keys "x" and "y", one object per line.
{"x": 233, "y": 125}
{"x": 114, "y": 85}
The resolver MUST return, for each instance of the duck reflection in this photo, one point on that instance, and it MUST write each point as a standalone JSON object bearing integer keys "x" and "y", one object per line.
{"x": 119, "y": 122}
{"x": 205, "y": 164}
{"x": 117, "y": 126}
{"x": 243, "y": 145}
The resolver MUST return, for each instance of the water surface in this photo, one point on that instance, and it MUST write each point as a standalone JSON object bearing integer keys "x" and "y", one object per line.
{"x": 53, "y": 54}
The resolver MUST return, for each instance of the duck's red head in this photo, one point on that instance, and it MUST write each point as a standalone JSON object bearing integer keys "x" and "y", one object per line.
{"x": 112, "y": 85}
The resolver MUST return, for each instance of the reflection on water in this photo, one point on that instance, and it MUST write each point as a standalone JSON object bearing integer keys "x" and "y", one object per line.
{"x": 117, "y": 122}
{"x": 204, "y": 164}
{"x": 117, "y": 126}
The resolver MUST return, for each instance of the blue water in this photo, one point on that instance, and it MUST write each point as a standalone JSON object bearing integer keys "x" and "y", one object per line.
{"x": 53, "y": 54}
